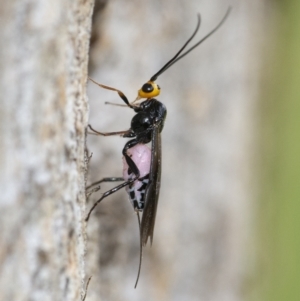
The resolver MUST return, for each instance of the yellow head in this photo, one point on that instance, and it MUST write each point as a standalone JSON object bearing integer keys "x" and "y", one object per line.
{"x": 149, "y": 90}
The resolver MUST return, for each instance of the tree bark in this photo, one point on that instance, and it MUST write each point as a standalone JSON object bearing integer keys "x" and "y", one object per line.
{"x": 43, "y": 117}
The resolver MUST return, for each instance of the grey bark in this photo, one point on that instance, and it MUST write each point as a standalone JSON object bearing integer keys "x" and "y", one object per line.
{"x": 43, "y": 116}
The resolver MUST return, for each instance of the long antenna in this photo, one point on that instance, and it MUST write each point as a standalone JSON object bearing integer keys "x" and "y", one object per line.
{"x": 176, "y": 58}
{"x": 166, "y": 66}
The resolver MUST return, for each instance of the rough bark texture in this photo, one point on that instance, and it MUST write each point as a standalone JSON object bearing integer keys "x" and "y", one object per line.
{"x": 202, "y": 247}
{"x": 43, "y": 116}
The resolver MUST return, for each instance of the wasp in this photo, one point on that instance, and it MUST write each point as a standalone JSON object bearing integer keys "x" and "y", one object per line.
{"x": 142, "y": 165}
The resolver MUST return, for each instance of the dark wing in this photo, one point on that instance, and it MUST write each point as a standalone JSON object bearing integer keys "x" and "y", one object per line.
{"x": 152, "y": 190}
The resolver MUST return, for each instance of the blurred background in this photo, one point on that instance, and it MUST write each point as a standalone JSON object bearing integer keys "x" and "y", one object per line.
{"x": 225, "y": 220}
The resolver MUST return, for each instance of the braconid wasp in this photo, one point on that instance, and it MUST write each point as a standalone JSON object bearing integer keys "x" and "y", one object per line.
{"x": 142, "y": 165}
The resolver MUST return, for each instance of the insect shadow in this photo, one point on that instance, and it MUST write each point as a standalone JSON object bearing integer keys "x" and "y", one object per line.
{"x": 142, "y": 165}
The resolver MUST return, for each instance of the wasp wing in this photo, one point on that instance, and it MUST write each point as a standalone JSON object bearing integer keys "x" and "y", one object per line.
{"x": 152, "y": 190}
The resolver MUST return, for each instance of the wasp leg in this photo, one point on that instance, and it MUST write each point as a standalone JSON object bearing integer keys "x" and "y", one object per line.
{"x": 132, "y": 166}
{"x": 86, "y": 288}
{"x": 115, "y": 104}
{"x": 109, "y": 192}
{"x": 121, "y": 133}
{"x": 110, "y": 179}
{"x": 121, "y": 94}
{"x": 96, "y": 188}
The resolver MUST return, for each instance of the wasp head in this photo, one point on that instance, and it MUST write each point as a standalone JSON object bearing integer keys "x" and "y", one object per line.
{"x": 149, "y": 90}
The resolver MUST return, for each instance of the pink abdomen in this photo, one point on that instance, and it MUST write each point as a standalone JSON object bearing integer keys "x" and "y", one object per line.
{"x": 141, "y": 156}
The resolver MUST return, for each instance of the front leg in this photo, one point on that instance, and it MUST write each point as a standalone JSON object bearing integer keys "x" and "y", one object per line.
{"x": 121, "y": 94}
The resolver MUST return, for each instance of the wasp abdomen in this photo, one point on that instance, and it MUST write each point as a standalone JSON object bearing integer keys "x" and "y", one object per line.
{"x": 141, "y": 156}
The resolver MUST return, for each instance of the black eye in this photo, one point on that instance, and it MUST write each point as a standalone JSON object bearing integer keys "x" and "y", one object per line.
{"x": 147, "y": 88}
{"x": 158, "y": 87}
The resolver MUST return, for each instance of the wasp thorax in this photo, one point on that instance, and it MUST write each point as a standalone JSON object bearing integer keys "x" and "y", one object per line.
{"x": 149, "y": 90}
